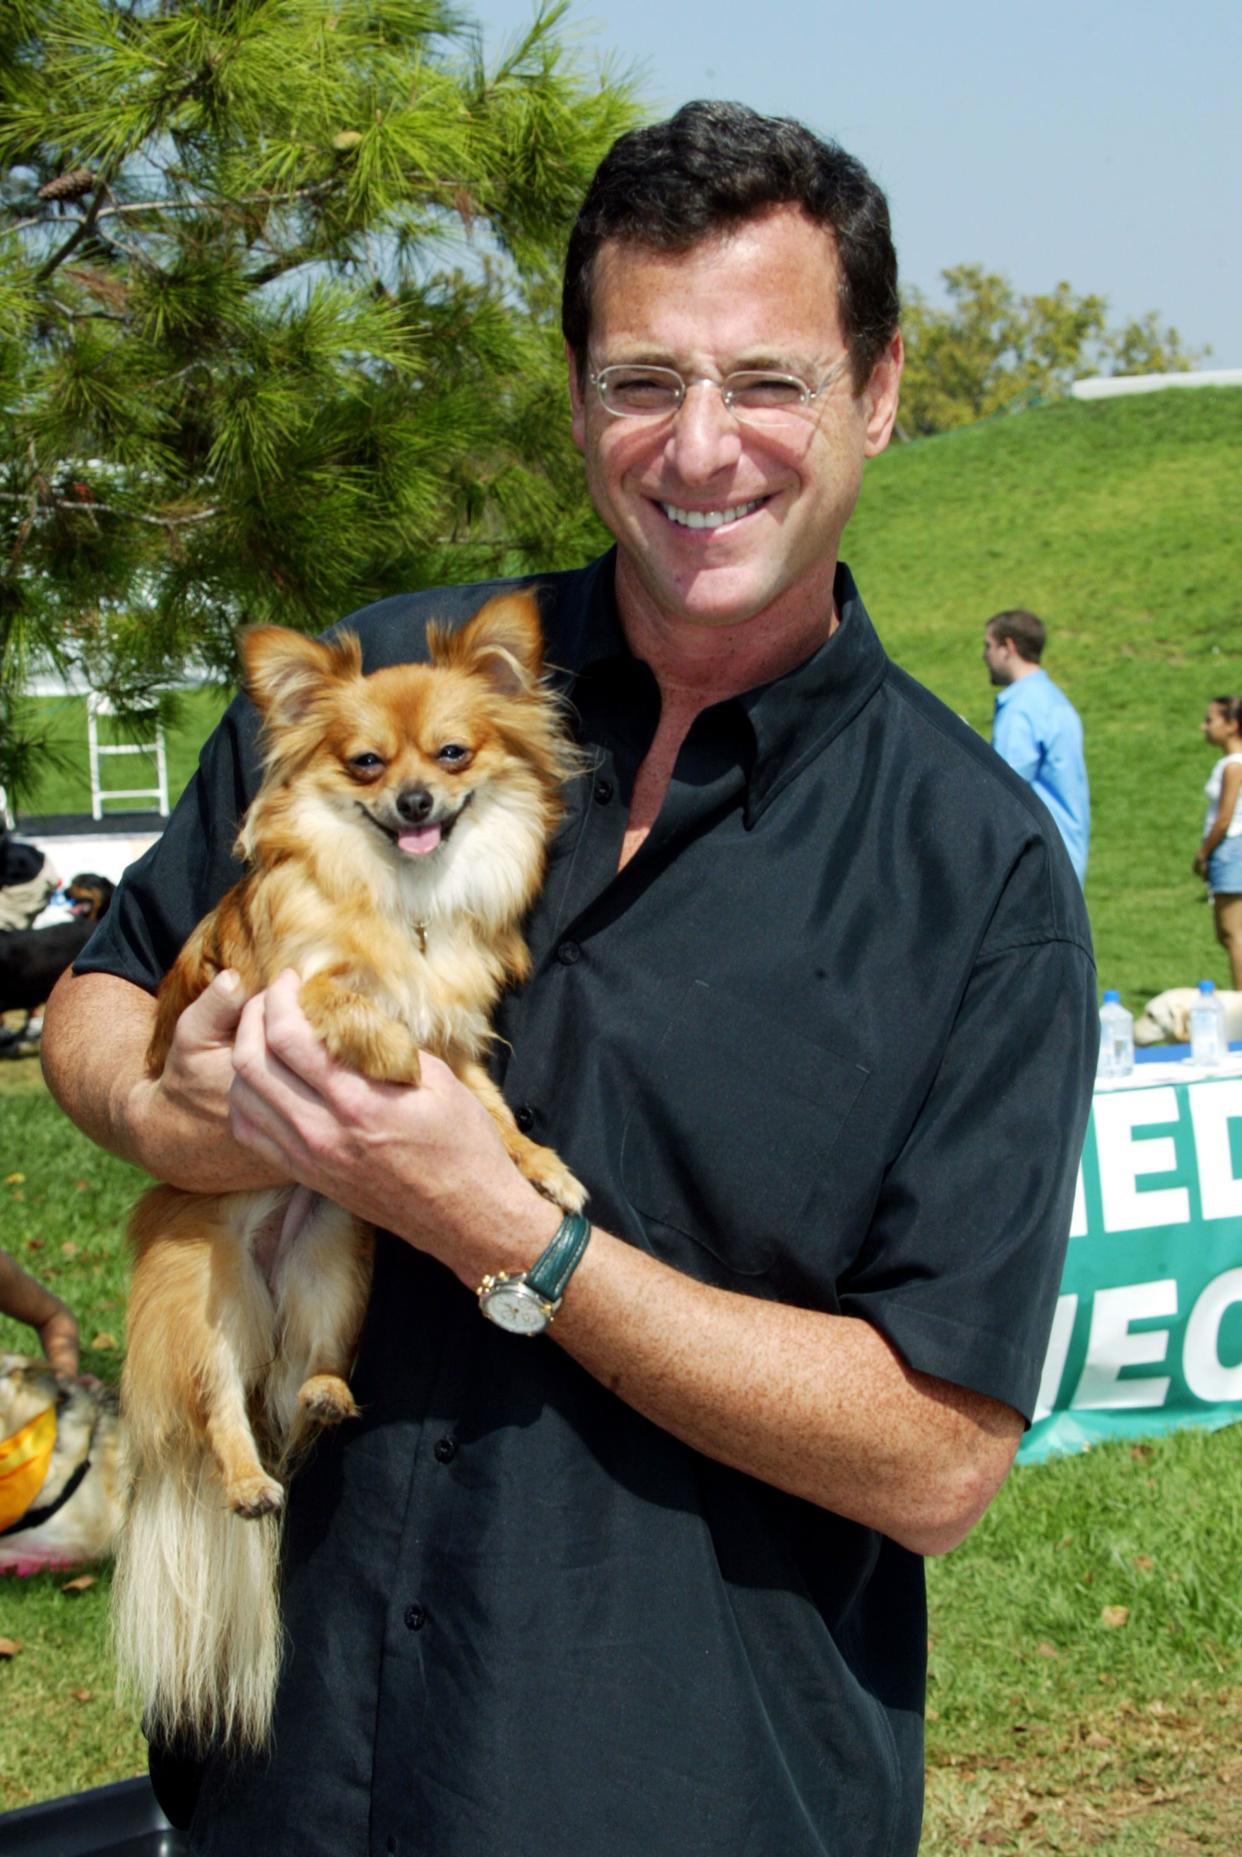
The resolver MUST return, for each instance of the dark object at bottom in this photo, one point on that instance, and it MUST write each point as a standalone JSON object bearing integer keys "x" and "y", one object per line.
{"x": 109, "y": 1821}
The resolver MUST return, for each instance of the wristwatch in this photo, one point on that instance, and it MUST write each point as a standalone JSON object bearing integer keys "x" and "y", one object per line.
{"x": 524, "y": 1301}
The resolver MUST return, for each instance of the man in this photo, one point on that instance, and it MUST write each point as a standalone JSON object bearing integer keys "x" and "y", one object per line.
{"x": 812, "y": 1015}
{"x": 1036, "y": 728}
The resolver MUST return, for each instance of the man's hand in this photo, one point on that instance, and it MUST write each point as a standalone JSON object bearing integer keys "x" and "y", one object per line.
{"x": 184, "y": 1112}
{"x": 425, "y": 1163}
{"x": 95, "y": 1039}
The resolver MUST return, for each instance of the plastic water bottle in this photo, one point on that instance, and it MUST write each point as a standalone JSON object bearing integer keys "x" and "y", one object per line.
{"x": 1207, "y": 1028}
{"x": 1116, "y": 1037}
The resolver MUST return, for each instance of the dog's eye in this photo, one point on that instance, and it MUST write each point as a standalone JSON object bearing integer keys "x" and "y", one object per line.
{"x": 367, "y": 762}
{"x": 452, "y": 754}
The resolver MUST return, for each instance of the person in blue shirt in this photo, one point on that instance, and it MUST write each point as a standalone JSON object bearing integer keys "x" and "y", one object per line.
{"x": 1036, "y": 728}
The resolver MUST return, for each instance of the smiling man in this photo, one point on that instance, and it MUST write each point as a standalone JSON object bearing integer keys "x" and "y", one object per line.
{"x": 812, "y": 1014}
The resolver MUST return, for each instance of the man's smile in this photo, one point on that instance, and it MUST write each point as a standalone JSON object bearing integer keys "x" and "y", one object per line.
{"x": 711, "y": 518}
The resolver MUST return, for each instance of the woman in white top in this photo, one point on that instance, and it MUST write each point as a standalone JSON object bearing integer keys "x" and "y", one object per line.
{"x": 1219, "y": 857}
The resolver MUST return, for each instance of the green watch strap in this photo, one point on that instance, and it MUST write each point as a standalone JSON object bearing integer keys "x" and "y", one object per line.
{"x": 551, "y": 1271}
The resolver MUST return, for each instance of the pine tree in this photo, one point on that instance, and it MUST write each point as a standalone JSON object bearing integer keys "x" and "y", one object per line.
{"x": 277, "y": 329}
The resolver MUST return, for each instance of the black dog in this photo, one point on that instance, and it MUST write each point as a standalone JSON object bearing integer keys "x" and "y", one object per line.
{"x": 32, "y": 960}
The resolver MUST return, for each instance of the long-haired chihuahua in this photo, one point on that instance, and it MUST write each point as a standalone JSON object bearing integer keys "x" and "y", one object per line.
{"x": 392, "y": 850}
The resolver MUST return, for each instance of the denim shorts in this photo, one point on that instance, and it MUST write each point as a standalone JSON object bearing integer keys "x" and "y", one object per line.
{"x": 1224, "y": 871}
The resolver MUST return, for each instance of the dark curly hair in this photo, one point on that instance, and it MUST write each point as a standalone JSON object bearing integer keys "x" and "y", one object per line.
{"x": 710, "y": 168}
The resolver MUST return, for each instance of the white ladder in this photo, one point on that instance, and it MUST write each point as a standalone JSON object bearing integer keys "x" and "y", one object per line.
{"x": 97, "y": 706}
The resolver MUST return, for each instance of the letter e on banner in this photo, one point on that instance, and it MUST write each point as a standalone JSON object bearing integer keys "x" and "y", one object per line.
{"x": 1055, "y": 1358}
{"x": 1124, "y": 1161}
{"x": 1112, "y": 1346}
{"x": 1213, "y": 1106}
{"x": 1206, "y": 1374}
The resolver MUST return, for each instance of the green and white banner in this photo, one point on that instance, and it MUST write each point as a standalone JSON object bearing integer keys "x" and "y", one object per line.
{"x": 1148, "y": 1328}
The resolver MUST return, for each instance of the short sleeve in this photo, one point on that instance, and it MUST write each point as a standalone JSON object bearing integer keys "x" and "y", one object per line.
{"x": 172, "y": 886}
{"x": 1016, "y": 740}
{"x": 963, "y": 1260}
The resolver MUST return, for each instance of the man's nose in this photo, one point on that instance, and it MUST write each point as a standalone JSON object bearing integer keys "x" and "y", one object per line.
{"x": 706, "y": 437}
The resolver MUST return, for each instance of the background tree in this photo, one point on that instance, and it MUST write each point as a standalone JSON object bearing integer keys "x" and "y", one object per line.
{"x": 277, "y": 330}
{"x": 990, "y": 350}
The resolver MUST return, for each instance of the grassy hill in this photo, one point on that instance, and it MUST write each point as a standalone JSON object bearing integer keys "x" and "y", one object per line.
{"x": 1117, "y": 521}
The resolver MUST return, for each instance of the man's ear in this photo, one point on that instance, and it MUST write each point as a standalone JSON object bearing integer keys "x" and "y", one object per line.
{"x": 881, "y": 394}
{"x": 577, "y": 400}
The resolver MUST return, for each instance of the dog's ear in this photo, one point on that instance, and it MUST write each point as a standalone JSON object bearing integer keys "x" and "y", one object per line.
{"x": 286, "y": 671}
{"x": 503, "y": 642}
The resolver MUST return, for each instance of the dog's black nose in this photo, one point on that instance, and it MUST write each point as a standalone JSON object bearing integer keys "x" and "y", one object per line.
{"x": 415, "y": 804}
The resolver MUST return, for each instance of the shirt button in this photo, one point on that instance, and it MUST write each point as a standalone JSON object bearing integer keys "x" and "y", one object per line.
{"x": 415, "y": 1617}
{"x": 568, "y": 953}
{"x": 524, "y": 1116}
{"x": 445, "y": 1450}
{"x": 603, "y": 792}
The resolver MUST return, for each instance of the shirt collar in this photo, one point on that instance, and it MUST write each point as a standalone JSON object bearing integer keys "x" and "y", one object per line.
{"x": 1006, "y": 691}
{"x": 791, "y": 720}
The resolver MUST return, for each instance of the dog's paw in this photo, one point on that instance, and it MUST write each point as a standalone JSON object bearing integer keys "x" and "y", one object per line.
{"x": 254, "y": 1494}
{"x": 354, "y": 1032}
{"x": 547, "y": 1171}
{"x": 326, "y": 1400}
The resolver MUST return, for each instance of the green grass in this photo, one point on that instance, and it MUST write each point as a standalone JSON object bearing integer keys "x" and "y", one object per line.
{"x": 1116, "y": 521}
{"x": 1086, "y": 1664}
{"x": 63, "y": 1206}
{"x": 64, "y": 784}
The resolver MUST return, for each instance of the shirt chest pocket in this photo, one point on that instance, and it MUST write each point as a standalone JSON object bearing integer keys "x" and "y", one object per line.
{"x": 728, "y": 1129}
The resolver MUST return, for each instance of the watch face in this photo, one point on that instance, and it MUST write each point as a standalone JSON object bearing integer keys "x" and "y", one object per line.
{"x": 516, "y": 1307}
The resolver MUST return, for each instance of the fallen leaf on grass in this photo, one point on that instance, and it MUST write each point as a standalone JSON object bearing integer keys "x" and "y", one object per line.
{"x": 1044, "y": 1649}
{"x": 15, "y": 1179}
{"x": 1114, "y": 1616}
{"x": 82, "y": 1695}
{"x": 9, "y": 1647}
{"x": 68, "y": 1249}
{"x": 104, "y": 1341}
{"x": 81, "y": 1584}
{"x": 1144, "y": 1563}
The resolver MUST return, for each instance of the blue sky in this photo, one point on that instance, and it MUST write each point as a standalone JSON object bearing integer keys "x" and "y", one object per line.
{"x": 1096, "y": 142}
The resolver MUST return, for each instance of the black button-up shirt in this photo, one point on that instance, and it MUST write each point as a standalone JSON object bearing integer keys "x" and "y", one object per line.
{"x": 828, "y": 1038}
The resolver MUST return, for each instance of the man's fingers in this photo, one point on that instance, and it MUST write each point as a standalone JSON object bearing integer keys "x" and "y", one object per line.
{"x": 212, "y": 1018}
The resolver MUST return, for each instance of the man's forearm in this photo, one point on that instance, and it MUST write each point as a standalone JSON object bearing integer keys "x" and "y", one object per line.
{"x": 95, "y": 1035}
{"x": 819, "y": 1405}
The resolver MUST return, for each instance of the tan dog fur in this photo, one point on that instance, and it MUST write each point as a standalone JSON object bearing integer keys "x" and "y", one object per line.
{"x": 400, "y": 947}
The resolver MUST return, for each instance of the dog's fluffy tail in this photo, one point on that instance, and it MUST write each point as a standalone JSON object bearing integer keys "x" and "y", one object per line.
{"x": 196, "y": 1620}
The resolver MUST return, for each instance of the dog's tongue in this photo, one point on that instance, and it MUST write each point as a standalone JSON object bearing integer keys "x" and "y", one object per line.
{"x": 421, "y": 839}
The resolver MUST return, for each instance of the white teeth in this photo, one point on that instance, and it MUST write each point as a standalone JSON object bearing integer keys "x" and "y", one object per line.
{"x": 708, "y": 518}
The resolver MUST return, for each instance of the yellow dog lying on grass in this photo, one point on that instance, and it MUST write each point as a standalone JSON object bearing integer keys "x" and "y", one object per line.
{"x": 60, "y": 1468}
{"x": 1166, "y": 1018}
